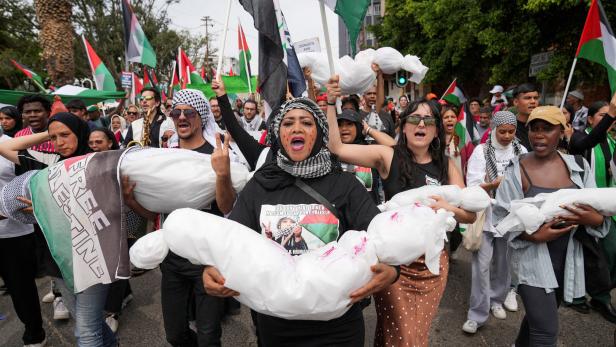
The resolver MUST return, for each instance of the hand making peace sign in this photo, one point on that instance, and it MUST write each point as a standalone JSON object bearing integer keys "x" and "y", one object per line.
{"x": 220, "y": 157}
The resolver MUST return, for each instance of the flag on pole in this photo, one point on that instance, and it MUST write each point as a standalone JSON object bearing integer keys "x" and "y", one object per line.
{"x": 352, "y": 13}
{"x": 136, "y": 46}
{"x": 148, "y": 80}
{"x": 137, "y": 87}
{"x": 102, "y": 77}
{"x": 598, "y": 43}
{"x": 245, "y": 57}
{"x": 187, "y": 72}
{"x": 466, "y": 128}
{"x": 175, "y": 84}
{"x": 295, "y": 74}
{"x": 36, "y": 79}
{"x": 272, "y": 69}
{"x": 454, "y": 94}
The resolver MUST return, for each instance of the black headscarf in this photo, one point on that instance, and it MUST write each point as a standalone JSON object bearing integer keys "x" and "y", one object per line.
{"x": 12, "y": 112}
{"x": 79, "y": 127}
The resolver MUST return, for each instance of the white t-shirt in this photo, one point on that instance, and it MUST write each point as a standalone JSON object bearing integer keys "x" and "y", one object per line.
{"x": 476, "y": 171}
{"x": 8, "y": 227}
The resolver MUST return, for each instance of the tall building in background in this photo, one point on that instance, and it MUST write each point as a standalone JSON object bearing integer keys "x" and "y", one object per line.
{"x": 375, "y": 13}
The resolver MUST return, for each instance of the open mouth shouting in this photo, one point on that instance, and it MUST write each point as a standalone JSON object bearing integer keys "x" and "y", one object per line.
{"x": 420, "y": 134}
{"x": 297, "y": 143}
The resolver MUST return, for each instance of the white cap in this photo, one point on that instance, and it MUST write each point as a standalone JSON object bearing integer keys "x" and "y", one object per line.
{"x": 497, "y": 89}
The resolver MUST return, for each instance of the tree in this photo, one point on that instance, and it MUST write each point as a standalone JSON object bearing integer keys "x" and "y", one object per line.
{"x": 19, "y": 41}
{"x": 485, "y": 41}
{"x": 56, "y": 38}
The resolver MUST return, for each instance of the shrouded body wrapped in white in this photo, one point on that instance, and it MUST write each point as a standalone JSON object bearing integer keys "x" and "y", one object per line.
{"x": 315, "y": 285}
{"x": 530, "y": 213}
{"x": 168, "y": 179}
{"x": 472, "y": 199}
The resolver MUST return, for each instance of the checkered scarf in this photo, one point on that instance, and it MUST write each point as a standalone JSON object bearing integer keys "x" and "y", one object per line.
{"x": 498, "y": 119}
{"x": 316, "y": 165}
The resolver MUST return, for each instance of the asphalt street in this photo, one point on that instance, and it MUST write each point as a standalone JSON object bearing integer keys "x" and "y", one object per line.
{"x": 141, "y": 323}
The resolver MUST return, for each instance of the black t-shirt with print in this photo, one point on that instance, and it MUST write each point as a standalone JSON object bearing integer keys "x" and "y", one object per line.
{"x": 289, "y": 213}
{"x": 176, "y": 260}
{"x": 34, "y": 160}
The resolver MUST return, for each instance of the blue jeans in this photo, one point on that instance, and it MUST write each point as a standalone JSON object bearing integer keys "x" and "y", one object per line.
{"x": 88, "y": 309}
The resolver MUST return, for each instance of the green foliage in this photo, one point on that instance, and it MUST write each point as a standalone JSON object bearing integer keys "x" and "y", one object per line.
{"x": 19, "y": 41}
{"x": 485, "y": 41}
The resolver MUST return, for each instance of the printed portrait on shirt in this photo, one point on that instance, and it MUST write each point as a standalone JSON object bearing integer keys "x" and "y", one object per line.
{"x": 299, "y": 228}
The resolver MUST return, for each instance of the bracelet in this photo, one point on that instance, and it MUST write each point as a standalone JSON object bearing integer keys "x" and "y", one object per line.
{"x": 368, "y": 131}
{"x": 331, "y": 103}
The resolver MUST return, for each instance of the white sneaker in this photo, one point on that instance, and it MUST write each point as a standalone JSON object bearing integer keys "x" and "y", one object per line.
{"x": 511, "y": 301}
{"x": 60, "y": 311}
{"x": 49, "y": 297}
{"x": 470, "y": 326}
{"x": 40, "y": 344}
{"x": 112, "y": 322}
{"x": 498, "y": 312}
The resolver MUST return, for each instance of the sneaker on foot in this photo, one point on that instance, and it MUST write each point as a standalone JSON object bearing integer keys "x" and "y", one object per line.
{"x": 511, "y": 301}
{"x": 498, "y": 312}
{"x": 59, "y": 310}
{"x": 470, "y": 326}
{"x": 112, "y": 322}
{"x": 40, "y": 344}
{"x": 49, "y": 297}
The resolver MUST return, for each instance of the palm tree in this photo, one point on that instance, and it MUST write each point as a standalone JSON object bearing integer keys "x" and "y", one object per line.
{"x": 56, "y": 38}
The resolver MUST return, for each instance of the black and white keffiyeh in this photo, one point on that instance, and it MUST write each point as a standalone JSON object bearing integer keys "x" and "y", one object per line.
{"x": 317, "y": 165}
{"x": 498, "y": 119}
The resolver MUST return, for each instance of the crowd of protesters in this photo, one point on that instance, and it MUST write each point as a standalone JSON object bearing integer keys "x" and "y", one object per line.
{"x": 355, "y": 158}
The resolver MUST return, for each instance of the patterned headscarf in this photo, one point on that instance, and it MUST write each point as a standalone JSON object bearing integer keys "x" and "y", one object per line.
{"x": 319, "y": 163}
{"x": 499, "y": 118}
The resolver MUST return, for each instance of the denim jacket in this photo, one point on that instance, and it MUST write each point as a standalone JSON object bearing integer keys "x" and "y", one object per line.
{"x": 530, "y": 261}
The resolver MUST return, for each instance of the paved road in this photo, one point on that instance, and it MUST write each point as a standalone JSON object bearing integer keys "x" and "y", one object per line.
{"x": 141, "y": 323}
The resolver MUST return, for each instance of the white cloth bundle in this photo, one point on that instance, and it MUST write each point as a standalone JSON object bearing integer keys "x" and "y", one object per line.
{"x": 356, "y": 75}
{"x": 315, "y": 285}
{"x": 473, "y": 199}
{"x": 168, "y": 179}
{"x": 530, "y": 213}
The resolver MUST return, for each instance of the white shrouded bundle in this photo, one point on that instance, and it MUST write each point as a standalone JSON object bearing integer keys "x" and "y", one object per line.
{"x": 356, "y": 75}
{"x": 530, "y": 213}
{"x": 168, "y": 179}
{"x": 315, "y": 285}
{"x": 473, "y": 199}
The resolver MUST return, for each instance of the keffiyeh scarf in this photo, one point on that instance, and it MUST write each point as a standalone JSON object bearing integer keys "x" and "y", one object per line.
{"x": 498, "y": 119}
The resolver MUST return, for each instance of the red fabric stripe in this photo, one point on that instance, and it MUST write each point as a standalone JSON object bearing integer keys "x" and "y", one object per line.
{"x": 592, "y": 27}
{"x": 46, "y": 146}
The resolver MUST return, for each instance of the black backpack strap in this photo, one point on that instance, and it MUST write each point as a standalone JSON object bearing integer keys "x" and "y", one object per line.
{"x": 317, "y": 196}
{"x": 579, "y": 159}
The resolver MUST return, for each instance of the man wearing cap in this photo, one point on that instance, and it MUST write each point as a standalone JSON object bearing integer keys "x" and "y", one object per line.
{"x": 95, "y": 120}
{"x": 497, "y": 95}
{"x": 575, "y": 99}
{"x": 78, "y": 108}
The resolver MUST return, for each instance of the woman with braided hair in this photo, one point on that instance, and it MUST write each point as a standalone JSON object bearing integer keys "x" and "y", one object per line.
{"x": 490, "y": 268}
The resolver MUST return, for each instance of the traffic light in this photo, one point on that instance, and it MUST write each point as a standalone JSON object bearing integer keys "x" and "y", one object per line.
{"x": 401, "y": 78}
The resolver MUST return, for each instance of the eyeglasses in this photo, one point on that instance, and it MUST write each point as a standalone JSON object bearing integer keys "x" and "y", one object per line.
{"x": 130, "y": 113}
{"x": 176, "y": 113}
{"x": 147, "y": 97}
{"x": 415, "y": 119}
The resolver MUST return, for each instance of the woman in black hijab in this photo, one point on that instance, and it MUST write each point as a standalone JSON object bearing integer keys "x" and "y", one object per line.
{"x": 10, "y": 120}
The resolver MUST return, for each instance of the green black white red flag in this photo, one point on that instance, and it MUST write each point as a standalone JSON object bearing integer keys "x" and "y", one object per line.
{"x": 36, "y": 79}
{"x": 102, "y": 77}
{"x": 598, "y": 43}
{"x": 136, "y": 46}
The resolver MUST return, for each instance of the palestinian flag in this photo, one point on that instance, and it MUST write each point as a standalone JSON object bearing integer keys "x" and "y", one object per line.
{"x": 148, "y": 79}
{"x": 136, "y": 46}
{"x": 352, "y": 13}
{"x": 465, "y": 128}
{"x": 245, "y": 57}
{"x": 187, "y": 72}
{"x": 102, "y": 77}
{"x": 598, "y": 43}
{"x": 454, "y": 94}
{"x": 83, "y": 226}
{"x": 137, "y": 85}
{"x": 364, "y": 174}
{"x": 322, "y": 224}
{"x": 175, "y": 80}
{"x": 38, "y": 81}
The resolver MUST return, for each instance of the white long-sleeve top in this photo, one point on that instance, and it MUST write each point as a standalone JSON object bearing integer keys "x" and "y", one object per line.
{"x": 476, "y": 171}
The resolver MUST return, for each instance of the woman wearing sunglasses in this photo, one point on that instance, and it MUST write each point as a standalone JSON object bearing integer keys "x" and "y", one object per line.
{"x": 406, "y": 308}
{"x": 597, "y": 147}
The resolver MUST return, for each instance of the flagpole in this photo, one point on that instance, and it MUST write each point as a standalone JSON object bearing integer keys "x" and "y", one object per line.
{"x": 562, "y": 102}
{"x": 452, "y": 82}
{"x": 328, "y": 45}
{"x": 221, "y": 51}
{"x": 245, "y": 56}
